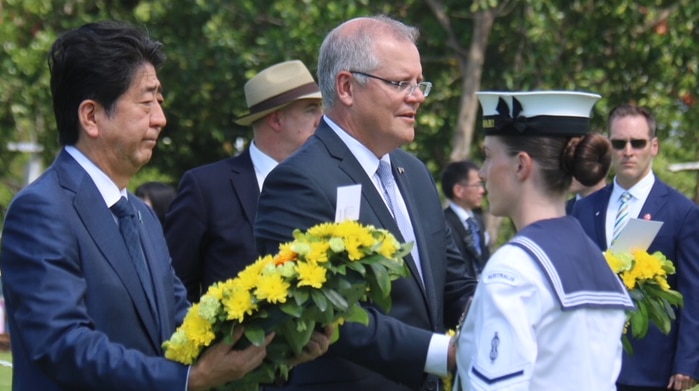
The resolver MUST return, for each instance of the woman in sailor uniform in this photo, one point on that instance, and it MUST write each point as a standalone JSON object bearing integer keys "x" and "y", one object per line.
{"x": 548, "y": 312}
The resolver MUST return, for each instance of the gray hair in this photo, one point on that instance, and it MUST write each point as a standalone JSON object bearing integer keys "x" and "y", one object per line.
{"x": 343, "y": 51}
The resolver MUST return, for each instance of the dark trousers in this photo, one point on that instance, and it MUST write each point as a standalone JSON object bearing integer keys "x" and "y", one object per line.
{"x": 622, "y": 387}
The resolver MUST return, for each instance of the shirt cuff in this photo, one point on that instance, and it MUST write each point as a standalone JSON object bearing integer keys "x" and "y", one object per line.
{"x": 437, "y": 355}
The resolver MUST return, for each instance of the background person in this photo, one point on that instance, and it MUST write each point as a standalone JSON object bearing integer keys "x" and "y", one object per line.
{"x": 371, "y": 79}
{"x": 464, "y": 189}
{"x": 157, "y": 195}
{"x": 209, "y": 228}
{"x": 659, "y": 361}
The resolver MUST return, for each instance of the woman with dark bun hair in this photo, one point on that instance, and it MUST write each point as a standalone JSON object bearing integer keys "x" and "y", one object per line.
{"x": 548, "y": 312}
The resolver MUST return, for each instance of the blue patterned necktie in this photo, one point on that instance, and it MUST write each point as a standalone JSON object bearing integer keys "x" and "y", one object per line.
{"x": 388, "y": 182}
{"x": 475, "y": 233}
{"x": 128, "y": 226}
{"x": 622, "y": 215}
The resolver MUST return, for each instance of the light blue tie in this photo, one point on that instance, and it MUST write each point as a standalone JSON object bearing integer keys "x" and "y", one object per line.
{"x": 388, "y": 182}
{"x": 622, "y": 215}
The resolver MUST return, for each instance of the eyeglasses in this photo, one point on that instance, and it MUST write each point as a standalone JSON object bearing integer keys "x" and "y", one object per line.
{"x": 635, "y": 143}
{"x": 423, "y": 86}
{"x": 466, "y": 184}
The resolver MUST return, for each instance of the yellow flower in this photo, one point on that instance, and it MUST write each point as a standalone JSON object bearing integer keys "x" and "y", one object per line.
{"x": 271, "y": 294}
{"x": 179, "y": 348}
{"x": 318, "y": 252}
{"x": 238, "y": 303}
{"x": 249, "y": 276}
{"x": 285, "y": 254}
{"x": 389, "y": 245}
{"x": 273, "y": 288}
{"x": 663, "y": 283}
{"x": 644, "y": 275}
{"x": 310, "y": 274}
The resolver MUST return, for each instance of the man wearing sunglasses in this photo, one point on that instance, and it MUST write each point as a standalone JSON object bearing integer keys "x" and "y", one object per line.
{"x": 659, "y": 361}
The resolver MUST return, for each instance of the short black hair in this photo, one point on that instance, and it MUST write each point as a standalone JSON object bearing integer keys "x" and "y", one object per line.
{"x": 96, "y": 61}
{"x": 456, "y": 172}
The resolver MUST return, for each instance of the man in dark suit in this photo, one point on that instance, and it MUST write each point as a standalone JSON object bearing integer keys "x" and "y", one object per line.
{"x": 462, "y": 185}
{"x": 659, "y": 361}
{"x": 90, "y": 292}
{"x": 371, "y": 80}
{"x": 209, "y": 225}
{"x": 579, "y": 191}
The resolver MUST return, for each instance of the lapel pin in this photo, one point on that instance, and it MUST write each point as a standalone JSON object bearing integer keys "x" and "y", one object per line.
{"x": 597, "y": 213}
{"x": 401, "y": 170}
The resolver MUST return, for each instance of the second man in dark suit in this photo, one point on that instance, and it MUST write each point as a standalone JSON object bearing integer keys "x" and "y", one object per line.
{"x": 659, "y": 361}
{"x": 462, "y": 185}
{"x": 209, "y": 225}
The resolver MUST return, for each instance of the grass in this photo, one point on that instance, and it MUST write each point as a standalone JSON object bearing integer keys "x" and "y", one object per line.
{"x": 5, "y": 372}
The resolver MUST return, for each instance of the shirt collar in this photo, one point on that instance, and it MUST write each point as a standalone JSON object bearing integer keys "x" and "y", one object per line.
{"x": 108, "y": 189}
{"x": 462, "y": 213}
{"x": 639, "y": 191}
{"x": 366, "y": 158}
{"x": 262, "y": 163}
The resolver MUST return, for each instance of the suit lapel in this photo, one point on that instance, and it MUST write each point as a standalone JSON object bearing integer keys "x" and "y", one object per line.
{"x": 403, "y": 180}
{"x": 245, "y": 184}
{"x": 657, "y": 198}
{"x": 349, "y": 165}
{"x": 600, "y": 216}
{"x": 100, "y": 225}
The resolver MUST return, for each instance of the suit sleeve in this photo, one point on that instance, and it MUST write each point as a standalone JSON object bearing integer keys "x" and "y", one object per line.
{"x": 687, "y": 352}
{"x": 185, "y": 228}
{"x": 46, "y": 289}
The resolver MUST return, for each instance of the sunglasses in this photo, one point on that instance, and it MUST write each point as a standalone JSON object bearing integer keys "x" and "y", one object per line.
{"x": 635, "y": 143}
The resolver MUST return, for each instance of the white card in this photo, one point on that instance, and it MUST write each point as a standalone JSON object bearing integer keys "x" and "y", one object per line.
{"x": 637, "y": 234}
{"x": 348, "y": 201}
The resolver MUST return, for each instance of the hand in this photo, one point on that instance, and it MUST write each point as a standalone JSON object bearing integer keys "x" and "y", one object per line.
{"x": 681, "y": 382}
{"x": 221, "y": 364}
{"x": 451, "y": 355}
{"x": 315, "y": 348}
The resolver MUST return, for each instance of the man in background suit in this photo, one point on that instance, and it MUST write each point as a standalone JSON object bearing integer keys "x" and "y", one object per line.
{"x": 462, "y": 185}
{"x": 371, "y": 79}
{"x": 659, "y": 361}
{"x": 89, "y": 309}
{"x": 210, "y": 223}
{"x": 579, "y": 191}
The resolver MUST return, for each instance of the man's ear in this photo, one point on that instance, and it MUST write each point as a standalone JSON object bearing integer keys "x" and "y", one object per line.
{"x": 274, "y": 120}
{"x": 89, "y": 115}
{"x": 345, "y": 88}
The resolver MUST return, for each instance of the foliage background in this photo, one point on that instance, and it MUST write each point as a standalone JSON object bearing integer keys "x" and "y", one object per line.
{"x": 628, "y": 51}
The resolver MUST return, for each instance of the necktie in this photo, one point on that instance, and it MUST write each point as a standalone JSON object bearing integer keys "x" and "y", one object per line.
{"x": 388, "y": 183}
{"x": 128, "y": 226}
{"x": 475, "y": 233}
{"x": 622, "y": 215}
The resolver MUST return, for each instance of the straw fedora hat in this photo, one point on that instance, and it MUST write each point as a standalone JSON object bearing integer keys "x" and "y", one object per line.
{"x": 276, "y": 87}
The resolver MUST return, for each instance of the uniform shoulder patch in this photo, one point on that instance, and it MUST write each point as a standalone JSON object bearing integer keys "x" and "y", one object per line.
{"x": 500, "y": 276}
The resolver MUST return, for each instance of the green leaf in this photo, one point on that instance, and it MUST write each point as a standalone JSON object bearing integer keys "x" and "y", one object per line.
{"x": 358, "y": 267}
{"x": 319, "y": 299}
{"x": 356, "y": 313}
{"x": 301, "y": 296}
{"x": 382, "y": 279}
{"x": 338, "y": 301}
{"x": 292, "y": 309}
{"x": 255, "y": 334}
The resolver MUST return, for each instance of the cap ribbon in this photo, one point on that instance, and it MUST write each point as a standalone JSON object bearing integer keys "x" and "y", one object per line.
{"x": 515, "y": 124}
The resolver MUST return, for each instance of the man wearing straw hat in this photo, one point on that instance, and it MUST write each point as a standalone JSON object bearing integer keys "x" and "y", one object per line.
{"x": 209, "y": 227}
